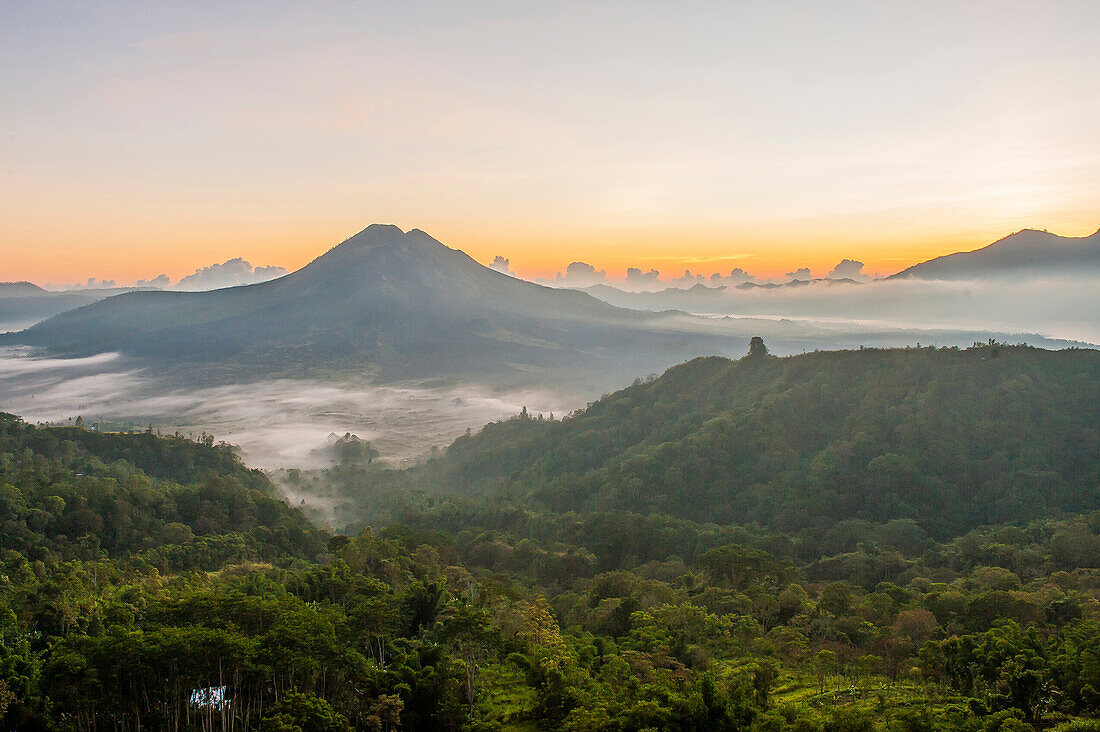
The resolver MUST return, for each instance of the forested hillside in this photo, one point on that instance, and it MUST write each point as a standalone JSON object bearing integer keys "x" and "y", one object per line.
{"x": 950, "y": 438}
{"x": 154, "y": 583}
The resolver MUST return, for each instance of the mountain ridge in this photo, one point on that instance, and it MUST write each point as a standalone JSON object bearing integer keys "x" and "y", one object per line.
{"x": 1025, "y": 251}
{"x": 384, "y": 303}
{"x": 791, "y": 442}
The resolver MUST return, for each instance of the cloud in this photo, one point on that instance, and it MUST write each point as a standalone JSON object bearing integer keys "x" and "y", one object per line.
{"x": 500, "y": 264}
{"x": 737, "y": 276}
{"x": 688, "y": 280}
{"x": 160, "y": 282}
{"x": 580, "y": 274}
{"x": 802, "y": 273}
{"x": 635, "y": 276}
{"x": 91, "y": 284}
{"x": 638, "y": 279}
{"x": 230, "y": 273}
{"x": 848, "y": 269}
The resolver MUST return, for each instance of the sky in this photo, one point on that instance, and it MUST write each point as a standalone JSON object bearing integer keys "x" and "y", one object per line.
{"x": 142, "y": 138}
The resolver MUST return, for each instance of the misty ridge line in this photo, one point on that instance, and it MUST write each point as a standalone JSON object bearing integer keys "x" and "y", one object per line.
{"x": 1032, "y": 249}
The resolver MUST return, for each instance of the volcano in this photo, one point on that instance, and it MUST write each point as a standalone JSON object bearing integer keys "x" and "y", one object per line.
{"x": 387, "y": 304}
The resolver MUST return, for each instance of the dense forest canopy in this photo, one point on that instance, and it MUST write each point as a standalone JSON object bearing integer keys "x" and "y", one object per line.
{"x": 901, "y": 540}
{"x": 949, "y": 438}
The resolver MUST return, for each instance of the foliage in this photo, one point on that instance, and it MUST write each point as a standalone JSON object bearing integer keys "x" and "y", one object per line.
{"x": 156, "y": 583}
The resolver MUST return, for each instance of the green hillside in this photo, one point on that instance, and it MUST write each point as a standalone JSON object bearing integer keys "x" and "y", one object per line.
{"x": 522, "y": 582}
{"x": 950, "y": 438}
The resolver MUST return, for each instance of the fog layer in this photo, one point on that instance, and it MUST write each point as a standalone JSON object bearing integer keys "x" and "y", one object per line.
{"x": 277, "y": 423}
{"x": 1066, "y": 307}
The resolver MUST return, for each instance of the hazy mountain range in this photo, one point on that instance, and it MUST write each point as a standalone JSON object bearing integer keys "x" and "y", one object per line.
{"x": 22, "y": 304}
{"x": 394, "y": 306}
{"x": 386, "y": 304}
{"x": 20, "y": 289}
{"x": 1026, "y": 284}
{"x": 1027, "y": 253}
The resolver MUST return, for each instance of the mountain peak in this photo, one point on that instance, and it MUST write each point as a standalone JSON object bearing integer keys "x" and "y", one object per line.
{"x": 388, "y": 304}
{"x": 375, "y": 233}
{"x": 389, "y": 237}
{"x": 1025, "y": 252}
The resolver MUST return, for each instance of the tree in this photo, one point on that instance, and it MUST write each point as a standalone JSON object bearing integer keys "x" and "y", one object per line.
{"x": 824, "y": 664}
{"x": 305, "y": 713}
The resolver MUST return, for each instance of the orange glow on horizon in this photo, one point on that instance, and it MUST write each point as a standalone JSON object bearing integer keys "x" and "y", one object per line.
{"x": 157, "y": 138}
{"x": 107, "y": 253}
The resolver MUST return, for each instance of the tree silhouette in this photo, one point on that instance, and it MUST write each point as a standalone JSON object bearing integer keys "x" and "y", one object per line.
{"x": 757, "y": 347}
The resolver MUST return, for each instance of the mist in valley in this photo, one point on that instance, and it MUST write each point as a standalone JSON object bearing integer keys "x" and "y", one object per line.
{"x": 405, "y": 344}
{"x": 279, "y": 423}
{"x": 283, "y": 423}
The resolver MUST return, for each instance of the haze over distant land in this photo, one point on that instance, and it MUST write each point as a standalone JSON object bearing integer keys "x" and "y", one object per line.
{"x": 1027, "y": 254}
{"x": 404, "y": 341}
{"x": 19, "y": 289}
{"x": 388, "y": 305}
{"x": 1029, "y": 282}
{"x": 22, "y": 304}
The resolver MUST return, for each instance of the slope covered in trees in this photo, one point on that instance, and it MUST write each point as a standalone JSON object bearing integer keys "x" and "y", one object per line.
{"x": 155, "y": 583}
{"x": 950, "y": 438}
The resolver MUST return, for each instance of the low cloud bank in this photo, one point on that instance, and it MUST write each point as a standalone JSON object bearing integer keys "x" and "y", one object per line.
{"x": 230, "y": 273}
{"x": 1065, "y": 307}
{"x": 277, "y": 423}
{"x": 649, "y": 279}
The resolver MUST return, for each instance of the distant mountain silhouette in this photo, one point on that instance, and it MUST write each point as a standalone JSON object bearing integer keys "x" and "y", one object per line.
{"x": 1027, "y": 252}
{"x": 20, "y": 289}
{"x": 23, "y": 304}
{"x": 698, "y": 298}
{"x": 387, "y": 304}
